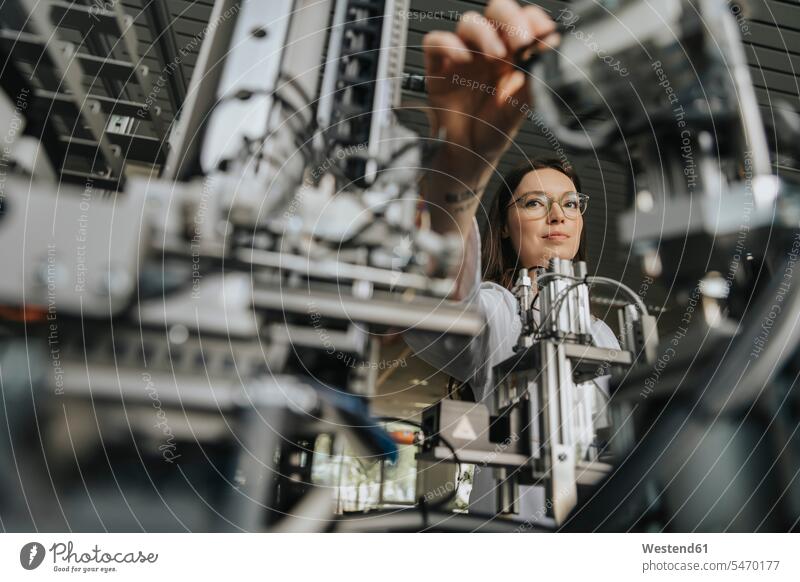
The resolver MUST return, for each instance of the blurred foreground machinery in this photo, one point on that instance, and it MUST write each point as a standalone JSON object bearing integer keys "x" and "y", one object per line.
{"x": 703, "y": 420}
{"x": 707, "y": 434}
{"x": 174, "y": 340}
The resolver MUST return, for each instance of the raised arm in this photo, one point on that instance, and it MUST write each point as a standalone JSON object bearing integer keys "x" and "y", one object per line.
{"x": 478, "y": 100}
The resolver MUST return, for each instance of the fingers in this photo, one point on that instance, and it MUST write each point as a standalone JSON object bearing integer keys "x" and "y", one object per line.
{"x": 520, "y": 27}
{"x": 539, "y": 22}
{"x": 512, "y": 85}
{"x": 443, "y": 48}
{"x": 543, "y": 27}
{"x": 511, "y": 23}
{"x": 478, "y": 33}
{"x": 506, "y": 28}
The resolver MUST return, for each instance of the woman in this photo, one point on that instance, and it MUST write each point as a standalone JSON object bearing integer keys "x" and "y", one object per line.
{"x": 537, "y": 212}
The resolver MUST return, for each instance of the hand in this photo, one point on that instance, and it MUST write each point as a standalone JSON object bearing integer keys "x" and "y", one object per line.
{"x": 475, "y": 92}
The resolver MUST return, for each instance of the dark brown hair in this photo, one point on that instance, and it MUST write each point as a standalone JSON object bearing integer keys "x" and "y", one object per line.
{"x": 500, "y": 260}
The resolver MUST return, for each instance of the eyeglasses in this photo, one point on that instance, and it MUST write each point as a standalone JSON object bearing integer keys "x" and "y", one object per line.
{"x": 539, "y": 204}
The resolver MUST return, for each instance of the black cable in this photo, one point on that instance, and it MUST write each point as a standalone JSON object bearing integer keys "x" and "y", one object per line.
{"x": 450, "y": 496}
{"x": 413, "y": 142}
{"x": 441, "y": 503}
{"x": 559, "y": 300}
{"x": 451, "y": 388}
{"x": 302, "y": 136}
{"x": 590, "y": 280}
{"x": 536, "y": 326}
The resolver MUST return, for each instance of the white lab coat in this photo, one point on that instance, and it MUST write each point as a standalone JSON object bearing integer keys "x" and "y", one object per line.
{"x": 472, "y": 360}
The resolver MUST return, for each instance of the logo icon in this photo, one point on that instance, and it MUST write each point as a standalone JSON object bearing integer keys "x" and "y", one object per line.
{"x": 31, "y": 555}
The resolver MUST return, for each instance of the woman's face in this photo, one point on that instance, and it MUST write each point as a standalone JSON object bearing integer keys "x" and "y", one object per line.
{"x": 538, "y": 239}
